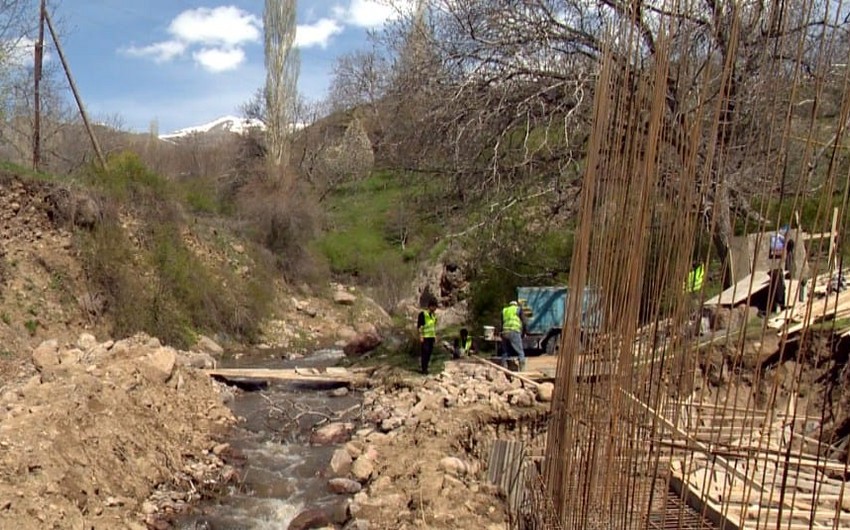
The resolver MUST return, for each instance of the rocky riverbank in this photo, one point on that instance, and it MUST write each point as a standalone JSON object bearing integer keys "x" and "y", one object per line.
{"x": 412, "y": 463}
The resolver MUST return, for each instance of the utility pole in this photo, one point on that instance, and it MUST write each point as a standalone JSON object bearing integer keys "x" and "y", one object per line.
{"x": 39, "y": 60}
{"x": 76, "y": 92}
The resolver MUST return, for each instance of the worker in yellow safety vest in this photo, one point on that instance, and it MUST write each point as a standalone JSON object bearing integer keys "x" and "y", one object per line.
{"x": 463, "y": 345}
{"x": 427, "y": 326}
{"x": 695, "y": 278}
{"x": 513, "y": 327}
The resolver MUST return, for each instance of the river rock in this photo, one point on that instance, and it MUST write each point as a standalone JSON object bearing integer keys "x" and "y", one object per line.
{"x": 362, "y": 468}
{"x": 332, "y": 433}
{"x": 309, "y": 519}
{"x": 339, "y": 392}
{"x": 354, "y": 448}
{"x": 544, "y": 392}
{"x": 344, "y": 486}
{"x": 356, "y": 524}
{"x": 341, "y": 463}
{"x": 344, "y": 298}
{"x": 361, "y": 344}
{"x": 391, "y": 424}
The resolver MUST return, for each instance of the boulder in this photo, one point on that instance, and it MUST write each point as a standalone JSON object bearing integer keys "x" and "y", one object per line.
{"x": 158, "y": 365}
{"x": 346, "y": 334}
{"x": 344, "y": 298}
{"x": 366, "y": 327}
{"x": 46, "y": 355}
{"x": 207, "y": 345}
{"x": 341, "y": 463}
{"x": 344, "y": 486}
{"x": 69, "y": 357}
{"x": 362, "y": 344}
{"x": 332, "y": 433}
{"x": 203, "y": 361}
{"x": 86, "y": 342}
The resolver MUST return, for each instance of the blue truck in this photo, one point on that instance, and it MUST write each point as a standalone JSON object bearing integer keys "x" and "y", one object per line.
{"x": 545, "y": 308}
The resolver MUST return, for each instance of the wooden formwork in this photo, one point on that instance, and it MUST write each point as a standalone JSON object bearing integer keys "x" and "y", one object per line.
{"x": 749, "y": 469}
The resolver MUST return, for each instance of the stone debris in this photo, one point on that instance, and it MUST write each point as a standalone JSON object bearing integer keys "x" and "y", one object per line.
{"x": 407, "y": 458}
{"x": 92, "y": 408}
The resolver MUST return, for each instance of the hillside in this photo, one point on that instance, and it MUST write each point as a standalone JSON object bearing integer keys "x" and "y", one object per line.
{"x": 85, "y": 270}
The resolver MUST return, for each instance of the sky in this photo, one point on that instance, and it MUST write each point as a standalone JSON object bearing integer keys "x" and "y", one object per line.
{"x": 188, "y": 62}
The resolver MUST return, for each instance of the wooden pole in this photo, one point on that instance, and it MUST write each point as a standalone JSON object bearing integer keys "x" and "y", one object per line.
{"x": 515, "y": 375}
{"x": 37, "y": 69}
{"x": 76, "y": 92}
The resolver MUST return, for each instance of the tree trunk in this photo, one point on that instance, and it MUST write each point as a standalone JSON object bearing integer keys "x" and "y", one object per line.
{"x": 723, "y": 231}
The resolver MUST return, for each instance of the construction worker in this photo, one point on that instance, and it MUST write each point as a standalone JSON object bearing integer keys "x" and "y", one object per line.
{"x": 695, "y": 278}
{"x": 427, "y": 326}
{"x": 463, "y": 345}
{"x": 513, "y": 327}
{"x": 693, "y": 287}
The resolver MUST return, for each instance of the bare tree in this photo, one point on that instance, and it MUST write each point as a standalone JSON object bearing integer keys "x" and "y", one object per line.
{"x": 502, "y": 89}
{"x": 359, "y": 78}
{"x": 281, "y": 90}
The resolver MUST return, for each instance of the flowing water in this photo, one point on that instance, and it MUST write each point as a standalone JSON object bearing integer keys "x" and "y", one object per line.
{"x": 283, "y": 474}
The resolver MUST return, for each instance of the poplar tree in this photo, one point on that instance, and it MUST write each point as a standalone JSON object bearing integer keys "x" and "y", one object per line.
{"x": 281, "y": 90}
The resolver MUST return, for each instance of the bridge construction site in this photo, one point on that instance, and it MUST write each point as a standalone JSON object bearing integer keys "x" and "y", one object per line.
{"x": 721, "y": 405}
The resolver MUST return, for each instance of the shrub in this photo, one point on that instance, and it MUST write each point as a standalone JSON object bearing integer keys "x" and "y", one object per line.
{"x": 285, "y": 224}
{"x": 126, "y": 178}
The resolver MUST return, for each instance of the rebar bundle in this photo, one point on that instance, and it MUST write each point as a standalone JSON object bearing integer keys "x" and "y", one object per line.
{"x": 711, "y": 139}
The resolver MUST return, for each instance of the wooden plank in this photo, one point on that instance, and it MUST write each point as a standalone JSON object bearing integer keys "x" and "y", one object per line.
{"x": 284, "y": 374}
{"x": 810, "y": 237}
{"x": 742, "y": 290}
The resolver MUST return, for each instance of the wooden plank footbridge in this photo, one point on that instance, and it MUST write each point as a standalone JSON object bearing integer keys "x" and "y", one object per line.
{"x": 330, "y": 375}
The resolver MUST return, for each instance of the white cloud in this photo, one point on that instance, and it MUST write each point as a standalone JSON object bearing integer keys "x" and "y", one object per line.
{"x": 218, "y": 35}
{"x": 371, "y": 13}
{"x": 22, "y": 52}
{"x": 160, "y": 52}
{"x": 318, "y": 33}
{"x": 225, "y": 25}
{"x": 219, "y": 59}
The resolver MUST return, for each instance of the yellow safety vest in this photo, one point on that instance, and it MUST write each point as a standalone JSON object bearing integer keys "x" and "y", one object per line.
{"x": 466, "y": 347}
{"x": 695, "y": 279}
{"x": 429, "y": 330}
{"x": 510, "y": 319}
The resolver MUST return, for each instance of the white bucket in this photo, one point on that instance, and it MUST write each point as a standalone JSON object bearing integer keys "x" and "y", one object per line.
{"x": 489, "y": 332}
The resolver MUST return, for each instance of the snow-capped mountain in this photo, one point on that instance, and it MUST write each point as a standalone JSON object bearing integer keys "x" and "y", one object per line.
{"x": 225, "y": 124}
